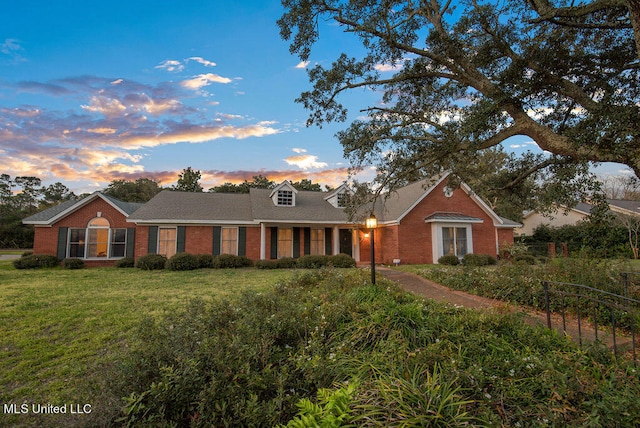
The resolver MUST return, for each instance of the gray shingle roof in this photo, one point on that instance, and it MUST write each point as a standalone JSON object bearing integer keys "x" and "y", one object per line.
{"x": 191, "y": 207}
{"x": 309, "y": 207}
{"x": 51, "y": 214}
{"x": 454, "y": 217}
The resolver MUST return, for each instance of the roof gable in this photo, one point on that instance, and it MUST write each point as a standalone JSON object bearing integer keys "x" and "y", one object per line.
{"x": 60, "y": 211}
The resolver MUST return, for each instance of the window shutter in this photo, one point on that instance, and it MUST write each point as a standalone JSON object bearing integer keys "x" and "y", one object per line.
{"x": 242, "y": 241}
{"x": 328, "y": 245}
{"x": 130, "y": 245}
{"x": 217, "y": 240}
{"x": 296, "y": 242}
{"x": 307, "y": 241}
{"x": 274, "y": 242}
{"x": 62, "y": 242}
{"x": 153, "y": 240}
{"x": 181, "y": 238}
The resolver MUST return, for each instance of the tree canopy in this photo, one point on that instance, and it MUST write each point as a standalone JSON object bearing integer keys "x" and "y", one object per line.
{"x": 140, "y": 190}
{"x": 466, "y": 76}
{"x": 189, "y": 181}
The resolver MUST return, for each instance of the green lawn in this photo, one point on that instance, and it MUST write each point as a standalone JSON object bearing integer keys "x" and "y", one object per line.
{"x": 57, "y": 325}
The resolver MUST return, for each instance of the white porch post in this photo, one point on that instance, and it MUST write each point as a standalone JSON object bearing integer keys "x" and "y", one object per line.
{"x": 263, "y": 243}
{"x": 336, "y": 240}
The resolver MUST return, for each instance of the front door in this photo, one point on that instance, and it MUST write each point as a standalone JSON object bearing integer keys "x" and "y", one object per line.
{"x": 346, "y": 243}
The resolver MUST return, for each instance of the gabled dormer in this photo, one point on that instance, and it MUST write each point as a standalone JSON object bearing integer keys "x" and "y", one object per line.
{"x": 284, "y": 195}
{"x": 339, "y": 198}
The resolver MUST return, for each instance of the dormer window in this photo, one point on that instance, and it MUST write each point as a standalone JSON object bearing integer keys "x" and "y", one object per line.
{"x": 285, "y": 198}
{"x": 343, "y": 199}
{"x": 284, "y": 195}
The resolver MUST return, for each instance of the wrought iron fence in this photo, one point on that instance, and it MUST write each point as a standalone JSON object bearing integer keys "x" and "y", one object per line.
{"x": 599, "y": 314}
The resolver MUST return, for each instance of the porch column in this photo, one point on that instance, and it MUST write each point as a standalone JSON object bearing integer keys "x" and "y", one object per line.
{"x": 263, "y": 242}
{"x": 336, "y": 240}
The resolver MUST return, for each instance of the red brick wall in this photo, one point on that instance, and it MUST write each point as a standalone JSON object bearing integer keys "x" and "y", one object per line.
{"x": 198, "y": 240}
{"x": 45, "y": 239}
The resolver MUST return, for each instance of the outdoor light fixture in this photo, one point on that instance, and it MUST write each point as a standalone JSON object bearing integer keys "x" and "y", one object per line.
{"x": 371, "y": 223}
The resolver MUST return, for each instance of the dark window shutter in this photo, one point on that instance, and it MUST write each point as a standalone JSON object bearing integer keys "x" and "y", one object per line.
{"x": 131, "y": 240}
{"x": 242, "y": 241}
{"x": 62, "y": 242}
{"x": 328, "y": 245}
{"x": 181, "y": 236}
{"x": 217, "y": 240}
{"x": 296, "y": 242}
{"x": 274, "y": 242}
{"x": 307, "y": 241}
{"x": 153, "y": 240}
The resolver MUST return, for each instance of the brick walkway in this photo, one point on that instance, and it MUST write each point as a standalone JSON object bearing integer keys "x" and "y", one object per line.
{"x": 431, "y": 290}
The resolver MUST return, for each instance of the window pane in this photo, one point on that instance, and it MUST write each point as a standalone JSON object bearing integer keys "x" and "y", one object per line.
{"x": 461, "y": 241}
{"x": 118, "y": 242}
{"x": 167, "y": 241}
{"x": 285, "y": 243}
{"x": 229, "y": 241}
{"x": 448, "y": 247}
{"x": 317, "y": 241}
{"x": 98, "y": 243}
{"x": 76, "y": 243}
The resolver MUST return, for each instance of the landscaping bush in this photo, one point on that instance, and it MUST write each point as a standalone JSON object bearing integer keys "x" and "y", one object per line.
{"x": 205, "y": 261}
{"x": 230, "y": 261}
{"x": 323, "y": 349}
{"x": 449, "y": 260}
{"x": 151, "y": 262}
{"x": 36, "y": 261}
{"x": 342, "y": 261}
{"x": 73, "y": 263}
{"x": 525, "y": 258}
{"x": 27, "y": 253}
{"x": 478, "y": 260}
{"x": 125, "y": 262}
{"x": 286, "y": 263}
{"x": 182, "y": 261}
{"x": 265, "y": 264}
{"x": 313, "y": 261}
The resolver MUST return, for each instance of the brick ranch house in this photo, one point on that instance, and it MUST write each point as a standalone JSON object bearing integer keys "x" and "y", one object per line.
{"x": 416, "y": 224}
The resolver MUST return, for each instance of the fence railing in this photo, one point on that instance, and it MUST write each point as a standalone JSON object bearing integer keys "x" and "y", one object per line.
{"x": 598, "y": 313}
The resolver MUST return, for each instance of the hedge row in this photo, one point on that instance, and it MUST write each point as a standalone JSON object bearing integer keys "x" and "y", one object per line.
{"x": 308, "y": 262}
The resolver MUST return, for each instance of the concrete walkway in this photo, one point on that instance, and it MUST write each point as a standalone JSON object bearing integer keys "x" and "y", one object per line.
{"x": 431, "y": 290}
{"x": 9, "y": 256}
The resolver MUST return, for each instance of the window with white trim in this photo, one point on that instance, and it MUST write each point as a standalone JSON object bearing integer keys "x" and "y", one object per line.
{"x": 317, "y": 242}
{"x": 285, "y": 198}
{"x": 167, "y": 241}
{"x": 98, "y": 240}
{"x": 229, "y": 244}
{"x": 285, "y": 242}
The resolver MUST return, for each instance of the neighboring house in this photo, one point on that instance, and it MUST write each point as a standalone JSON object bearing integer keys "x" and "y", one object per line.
{"x": 562, "y": 216}
{"x": 416, "y": 224}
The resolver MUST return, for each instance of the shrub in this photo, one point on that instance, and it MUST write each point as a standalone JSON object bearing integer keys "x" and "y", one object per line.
{"x": 205, "y": 261}
{"x": 478, "y": 260}
{"x": 525, "y": 258}
{"x": 73, "y": 263}
{"x": 449, "y": 260}
{"x": 286, "y": 263}
{"x": 125, "y": 262}
{"x": 27, "y": 253}
{"x": 265, "y": 264}
{"x": 342, "y": 261}
{"x": 151, "y": 262}
{"x": 230, "y": 261}
{"x": 36, "y": 261}
{"x": 313, "y": 261}
{"x": 182, "y": 261}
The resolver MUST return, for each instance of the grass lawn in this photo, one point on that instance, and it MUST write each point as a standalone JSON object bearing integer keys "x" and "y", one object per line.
{"x": 57, "y": 325}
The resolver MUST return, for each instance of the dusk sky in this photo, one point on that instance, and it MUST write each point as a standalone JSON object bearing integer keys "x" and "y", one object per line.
{"x": 92, "y": 91}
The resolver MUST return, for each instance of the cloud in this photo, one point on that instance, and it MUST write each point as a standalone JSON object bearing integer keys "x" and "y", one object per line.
{"x": 171, "y": 65}
{"x": 202, "y": 80}
{"x": 11, "y": 48}
{"x": 202, "y": 61}
{"x": 298, "y": 150}
{"x": 302, "y": 64}
{"x": 305, "y": 162}
{"x": 385, "y": 68}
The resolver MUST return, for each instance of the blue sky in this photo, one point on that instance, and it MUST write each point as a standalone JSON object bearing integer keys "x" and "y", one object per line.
{"x": 96, "y": 91}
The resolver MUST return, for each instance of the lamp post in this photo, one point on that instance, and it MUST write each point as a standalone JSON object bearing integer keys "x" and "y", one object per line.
{"x": 371, "y": 224}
